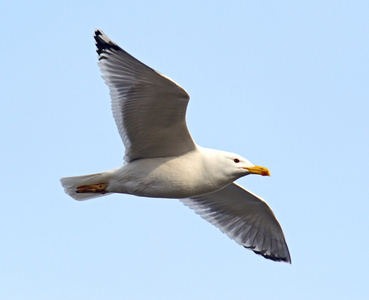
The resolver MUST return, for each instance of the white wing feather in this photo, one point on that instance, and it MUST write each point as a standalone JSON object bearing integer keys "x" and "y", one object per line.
{"x": 149, "y": 109}
{"x": 245, "y": 218}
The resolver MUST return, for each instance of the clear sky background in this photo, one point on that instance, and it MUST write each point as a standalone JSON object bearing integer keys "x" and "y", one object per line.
{"x": 283, "y": 83}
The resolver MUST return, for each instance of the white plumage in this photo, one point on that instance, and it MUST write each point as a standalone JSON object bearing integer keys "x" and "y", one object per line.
{"x": 162, "y": 160}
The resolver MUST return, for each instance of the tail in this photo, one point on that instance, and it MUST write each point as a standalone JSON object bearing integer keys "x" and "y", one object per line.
{"x": 70, "y": 185}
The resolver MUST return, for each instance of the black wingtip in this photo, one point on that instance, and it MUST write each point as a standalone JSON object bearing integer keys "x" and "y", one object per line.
{"x": 272, "y": 257}
{"x": 98, "y": 32}
{"x": 104, "y": 44}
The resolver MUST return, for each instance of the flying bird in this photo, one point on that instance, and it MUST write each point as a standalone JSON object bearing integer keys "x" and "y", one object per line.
{"x": 163, "y": 161}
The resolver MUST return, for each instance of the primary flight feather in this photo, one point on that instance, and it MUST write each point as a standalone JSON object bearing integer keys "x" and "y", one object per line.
{"x": 163, "y": 161}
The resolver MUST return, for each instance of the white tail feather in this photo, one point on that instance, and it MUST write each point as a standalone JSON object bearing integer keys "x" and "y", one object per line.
{"x": 70, "y": 185}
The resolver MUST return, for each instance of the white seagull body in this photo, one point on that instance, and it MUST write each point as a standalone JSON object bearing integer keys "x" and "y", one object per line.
{"x": 162, "y": 160}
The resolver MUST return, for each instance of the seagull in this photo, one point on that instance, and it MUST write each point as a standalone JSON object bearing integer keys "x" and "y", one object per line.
{"x": 163, "y": 161}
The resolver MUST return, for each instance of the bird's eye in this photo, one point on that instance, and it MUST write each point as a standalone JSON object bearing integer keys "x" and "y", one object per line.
{"x": 236, "y": 160}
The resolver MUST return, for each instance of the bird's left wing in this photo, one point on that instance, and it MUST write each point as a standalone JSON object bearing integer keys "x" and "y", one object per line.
{"x": 244, "y": 217}
{"x": 149, "y": 108}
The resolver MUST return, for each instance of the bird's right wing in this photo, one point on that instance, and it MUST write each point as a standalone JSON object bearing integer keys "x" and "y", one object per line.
{"x": 149, "y": 108}
{"x": 244, "y": 217}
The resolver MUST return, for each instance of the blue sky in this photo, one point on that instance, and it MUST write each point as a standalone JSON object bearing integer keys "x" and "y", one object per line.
{"x": 283, "y": 83}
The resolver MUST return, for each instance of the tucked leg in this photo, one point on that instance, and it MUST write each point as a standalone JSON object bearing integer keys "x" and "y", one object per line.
{"x": 92, "y": 188}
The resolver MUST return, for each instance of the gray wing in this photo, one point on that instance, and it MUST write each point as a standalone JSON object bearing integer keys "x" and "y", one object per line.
{"x": 245, "y": 218}
{"x": 149, "y": 108}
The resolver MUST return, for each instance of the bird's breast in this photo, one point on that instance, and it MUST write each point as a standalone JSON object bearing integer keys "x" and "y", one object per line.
{"x": 169, "y": 177}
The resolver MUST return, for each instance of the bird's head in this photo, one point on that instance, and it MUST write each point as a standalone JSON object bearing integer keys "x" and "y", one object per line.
{"x": 237, "y": 166}
{"x": 227, "y": 166}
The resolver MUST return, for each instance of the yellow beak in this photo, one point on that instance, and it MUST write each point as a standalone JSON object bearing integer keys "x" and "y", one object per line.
{"x": 259, "y": 170}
